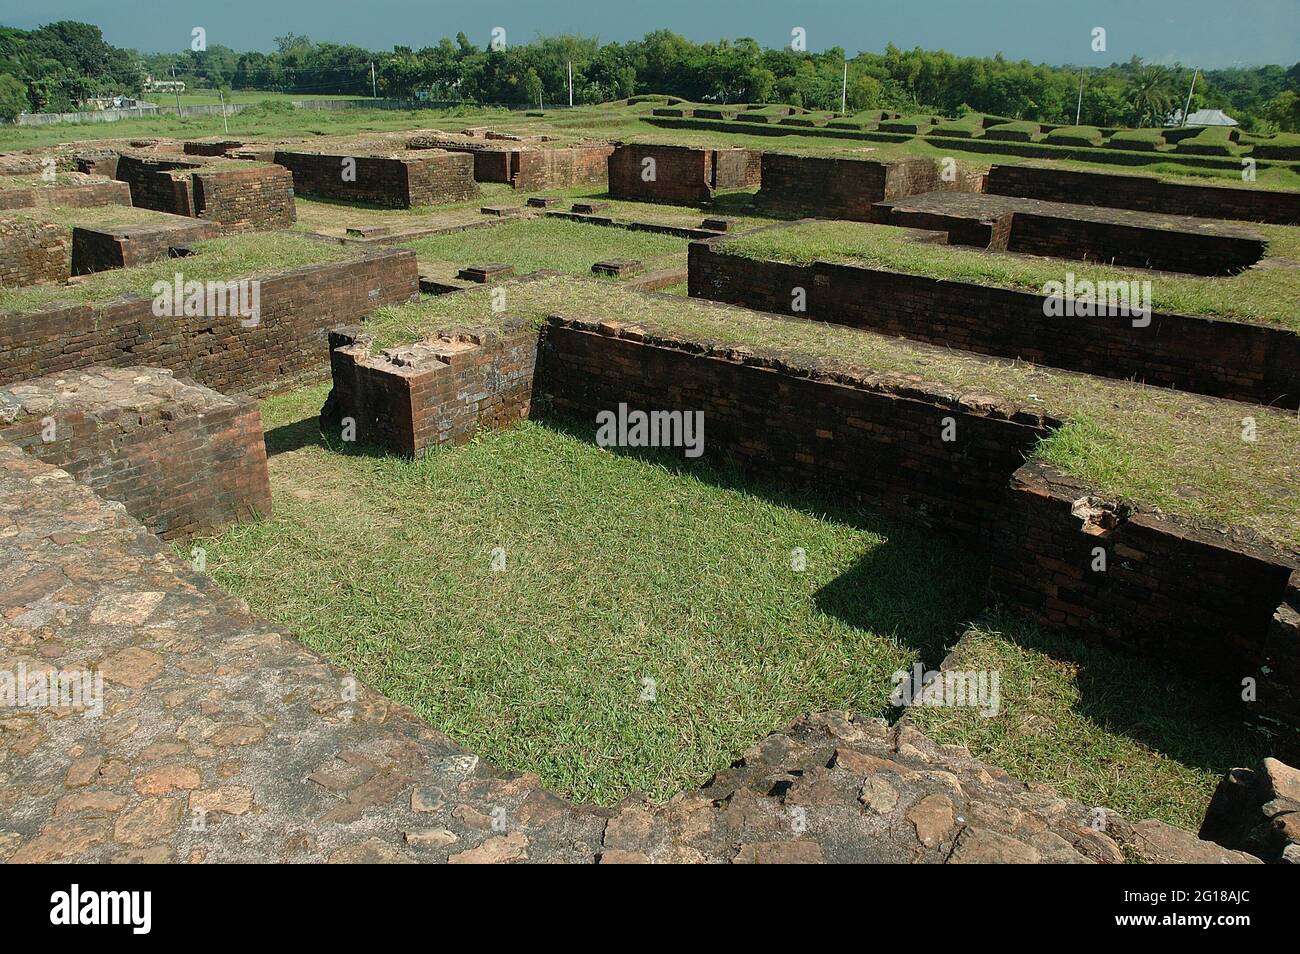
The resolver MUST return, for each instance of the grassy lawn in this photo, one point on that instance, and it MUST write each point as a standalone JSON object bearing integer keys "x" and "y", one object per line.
{"x": 618, "y": 569}
{"x": 1107, "y": 729}
{"x": 534, "y": 244}
{"x": 1180, "y": 452}
{"x": 241, "y": 256}
{"x": 1265, "y": 294}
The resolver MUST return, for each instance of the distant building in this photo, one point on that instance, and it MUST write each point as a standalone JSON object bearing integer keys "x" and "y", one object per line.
{"x": 152, "y": 85}
{"x": 1203, "y": 117}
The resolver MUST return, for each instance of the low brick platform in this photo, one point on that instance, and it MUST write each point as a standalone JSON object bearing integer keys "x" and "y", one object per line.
{"x": 849, "y": 188}
{"x": 124, "y": 246}
{"x": 222, "y": 739}
{"x": 525, "y": 166}
{"x": 239, "y": 196}
{"x": 1232, "y": 359}
{"x": 82, "y": 192}
{"x": 181, "y": 457}
{"x": 427, "y": 177}
{"x": 1146, "y": 194}
{"x": 683, "y": 175}
{"x": 33, "y": 252}
{"x": 1083, "y": 232}
{"x": 436, "y": 392}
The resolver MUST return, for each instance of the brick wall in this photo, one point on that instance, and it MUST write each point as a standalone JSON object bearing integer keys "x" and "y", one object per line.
{"x": 1245, "y": 362}
{"x": 1146, "y": 193}
{"x": 180, "y": 457}
{"x": 440, "y": 391}
{"x": 847, "y": 188}
{"x": 682, "y": 175}
{"x": 98, "y": 249}
{"x": 847, "y": 435}
{"x": 289, "y": 345}
{"x": 534, "y": 169}
{"x": 424, "y": 178}
{"x": 239, "y": 196}
{"x": 33, "y": 252}
{"x": 93, "y": 192}
{"x": 1204, "y": 599}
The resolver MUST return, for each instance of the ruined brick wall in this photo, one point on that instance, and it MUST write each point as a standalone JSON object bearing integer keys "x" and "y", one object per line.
{"x": 98, "y": 249}
{"x": 1245, "y": 362}
{"x": 181, "y": 458}
{"x": 846, "y": 436}
{"x": 1279, "y": 674}
{"x": 211, "y": 147}
{"x": 288, "y": 345}
{"x": 682, "y": 175}
{"x": 436, "y": 392}
{"x": 534, "y": 169}
{"x": 240, "y": 196}
{"x": 33, "y": 252}
{"x": 92, "y": 192}
{"x": 424, "y": 178}
{"x": 847, "y": 188}
{"x": 1146, "y": 194}
{"x": 1202, "y": 599}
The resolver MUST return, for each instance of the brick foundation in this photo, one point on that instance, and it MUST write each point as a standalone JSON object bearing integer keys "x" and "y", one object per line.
{"x": 1082, "y": 232}
{"x": 33, "y": 252}
{"x": 180, "y": 457}
{"x": 98, "y": 249}
{"x": 88, "y": 192}
{"x": 682, "y": 175}
{"x": 526, "y": 167}
{"x": 1205, "y": 598}
{"x": 290, "y": 344}
{"x": 440, "y": 391}
{"x": 238, "y": 196}
{"x": 426, "y": 177}
{"x": 1245, "y": 362}
{"x": 848, "y": 188}
{"x": 1146, "y": 194}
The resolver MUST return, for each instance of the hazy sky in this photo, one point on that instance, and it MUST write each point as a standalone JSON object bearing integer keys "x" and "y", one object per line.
{"x": 1206, "y": 33}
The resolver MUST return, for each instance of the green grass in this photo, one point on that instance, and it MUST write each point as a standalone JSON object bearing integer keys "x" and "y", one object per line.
{"x": 617, "y": 569}
{"x": 1066, "y": 135}
{"x": 242, "y": 256}
{"x": 547, "y": 244}
{"x": 1108, "y": 729}
{"x": 1176, "y": 451}
{"x": 1262, "y": 294}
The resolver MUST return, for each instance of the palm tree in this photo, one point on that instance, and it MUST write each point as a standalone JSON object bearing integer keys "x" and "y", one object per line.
{"x": 1150, "y": 95}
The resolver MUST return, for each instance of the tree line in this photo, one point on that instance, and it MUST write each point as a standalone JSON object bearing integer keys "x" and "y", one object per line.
{"x": 63, "y": 62}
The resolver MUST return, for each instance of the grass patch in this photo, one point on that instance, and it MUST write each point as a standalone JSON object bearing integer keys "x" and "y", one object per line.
{"x": 1261, "y": 294}
{"x": 1108, "y": 729}
{"x": 240, "y": 256}
{"x": 618, "y": 569}
{"x": 546, "y": 243}
{"x": 1176, "y": 451}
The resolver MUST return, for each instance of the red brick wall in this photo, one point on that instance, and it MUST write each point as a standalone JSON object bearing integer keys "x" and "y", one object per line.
{"x": 32, "y": 252}
{"x": 241, "y": 197}
{"x": 83, "y": 196}
{"x": 177, "y": 469}
{"x": 847, "y": 188}
{"x": 424, "y": 178}
{"x": 288, "y": 346}
{"x": 683, "y": 175}
{"x": 555, "y": 168}
{"x": 1245, "y": 362}
{"x": 442, "y": 391}
{"x": 855, "y": 437}
{"x": 1146, "y": 194}
{"x": 97, "y": 249}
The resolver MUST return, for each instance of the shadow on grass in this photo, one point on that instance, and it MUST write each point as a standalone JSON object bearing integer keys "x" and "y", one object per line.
{"x": 1191, "y": 718}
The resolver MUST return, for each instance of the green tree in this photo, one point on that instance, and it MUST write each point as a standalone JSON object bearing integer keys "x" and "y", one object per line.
{"x": 13, "y": 97}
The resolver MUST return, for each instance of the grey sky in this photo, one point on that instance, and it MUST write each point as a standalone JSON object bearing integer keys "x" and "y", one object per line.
{"x": 1205, "y": 33}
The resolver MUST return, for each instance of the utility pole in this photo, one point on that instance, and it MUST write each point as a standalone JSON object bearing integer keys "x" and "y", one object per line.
{"x": 570, "y": 82}
{"x": 844, "y": 88}
{"x": 1078, "y": 113}
{"x": 224, "y": 121}
{"x": 176, "y": 89}
{"x": 374, "y": 94}
{"x": 1188, "y": 104}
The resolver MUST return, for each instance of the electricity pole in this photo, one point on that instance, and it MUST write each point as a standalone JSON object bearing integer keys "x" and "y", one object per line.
{"x": 374, "y": 94}
{"x": 177, "y": 90}
{"x": 570, "y": 82}
{"x": 844, "y": 89}
{"x": 1188, "y": 105}
{"x": 1078, "y": 113}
